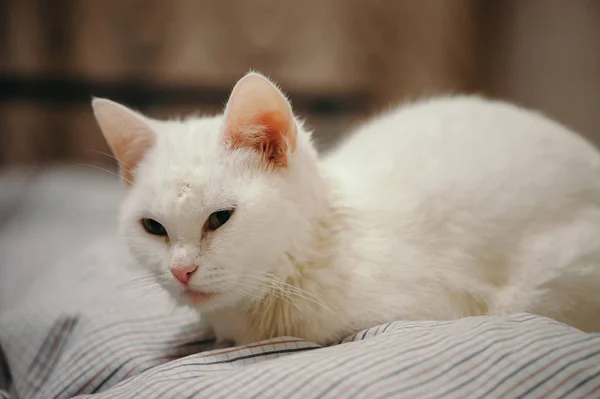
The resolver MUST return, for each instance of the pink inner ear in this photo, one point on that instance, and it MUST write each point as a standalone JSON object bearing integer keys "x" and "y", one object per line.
{"x": 267, "y": 133}
{"x": 259, "y": 117}
{"x": 129, "y": 151}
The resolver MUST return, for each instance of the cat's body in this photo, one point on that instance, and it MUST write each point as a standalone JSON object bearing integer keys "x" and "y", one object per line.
{"x": 442, "y": 209}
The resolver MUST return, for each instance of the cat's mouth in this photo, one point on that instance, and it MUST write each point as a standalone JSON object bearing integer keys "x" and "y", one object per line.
{"x": 197, "y": 296}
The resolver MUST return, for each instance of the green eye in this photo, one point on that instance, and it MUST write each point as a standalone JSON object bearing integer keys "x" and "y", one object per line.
{"x": 218, "y": 219}
{"x": 153, "y": 227}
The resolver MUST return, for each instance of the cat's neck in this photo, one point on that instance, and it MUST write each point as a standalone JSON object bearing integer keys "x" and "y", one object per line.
{"x": 304, "y": 280}
{"x": 320, "y": 242}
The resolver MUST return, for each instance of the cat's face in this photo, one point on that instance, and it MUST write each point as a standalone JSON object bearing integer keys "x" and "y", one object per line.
{"x": 214, "y": 203}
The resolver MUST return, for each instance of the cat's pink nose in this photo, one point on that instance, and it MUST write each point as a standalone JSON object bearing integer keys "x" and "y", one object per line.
{"x": 184, "y": 273}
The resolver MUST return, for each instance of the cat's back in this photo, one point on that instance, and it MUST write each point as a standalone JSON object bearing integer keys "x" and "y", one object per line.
{"x": 442, "y": 145}
{"x": 488, "y": 198}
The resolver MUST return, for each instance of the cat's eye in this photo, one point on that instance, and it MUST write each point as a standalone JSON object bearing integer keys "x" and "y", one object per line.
{"x": 218, "y": 219}
{"x": 153, "y": 227}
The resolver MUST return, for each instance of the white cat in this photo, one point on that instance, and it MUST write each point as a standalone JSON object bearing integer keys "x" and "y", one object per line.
{"x": 442, "y": 209}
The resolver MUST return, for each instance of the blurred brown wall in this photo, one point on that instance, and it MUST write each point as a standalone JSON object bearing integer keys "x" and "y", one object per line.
{"x": 546, "y": 55}
{"x": 340, "y": 60}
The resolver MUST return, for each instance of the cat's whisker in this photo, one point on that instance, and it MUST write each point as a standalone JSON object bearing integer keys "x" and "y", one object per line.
{"x": 201, "y": 287}
{"x": 275, "y": 287}
{"x": 147, "y": 287}
{"x": 276, "y": 293}
{"x": 282, "y": 283}
{"x": 251, "y": 286}
{"x": 113, "y": 157}
{"x": 289, "y": 289}
{"x": 104, "y": 170}
{"x": 141, "y": 286}
{"x": 149, "y": 282}
{"x": 244, "y": 293}
{"x": 145, "y": 277}
{"x": 300, "y": 294}
{"x": 137, "y": 283}
{"x": 148, "y": 277}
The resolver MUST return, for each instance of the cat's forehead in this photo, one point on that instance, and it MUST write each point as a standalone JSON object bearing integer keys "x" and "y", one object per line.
{"x": 192, "y": 135}
{"x": 189, "y": 158}
{"x": 189, "y": 144}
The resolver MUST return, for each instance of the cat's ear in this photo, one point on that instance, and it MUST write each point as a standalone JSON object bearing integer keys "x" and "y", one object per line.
{"x": 258, "y": 116}
{"x": 128, "y": 134}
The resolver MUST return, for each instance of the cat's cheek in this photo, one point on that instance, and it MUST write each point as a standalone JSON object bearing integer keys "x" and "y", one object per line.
{"x": 151, "y": 254}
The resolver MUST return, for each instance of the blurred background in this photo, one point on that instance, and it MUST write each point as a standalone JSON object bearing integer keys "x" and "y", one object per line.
{"x": 339, "y": 60}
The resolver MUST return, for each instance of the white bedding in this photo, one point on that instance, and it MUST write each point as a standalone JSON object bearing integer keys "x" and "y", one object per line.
{"x": 48, "y": 216}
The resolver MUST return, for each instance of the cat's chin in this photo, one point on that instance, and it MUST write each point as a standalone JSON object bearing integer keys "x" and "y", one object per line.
{"x": 194, "y": 298}
{"x": 198, "y": 297}
{"x": 200, "y": 301}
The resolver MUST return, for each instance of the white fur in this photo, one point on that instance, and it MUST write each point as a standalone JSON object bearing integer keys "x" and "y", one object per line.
{"x": 441, "y": 209}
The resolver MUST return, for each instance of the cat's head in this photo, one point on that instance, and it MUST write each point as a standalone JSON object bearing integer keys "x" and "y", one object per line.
{"x": 216, "y": 203}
